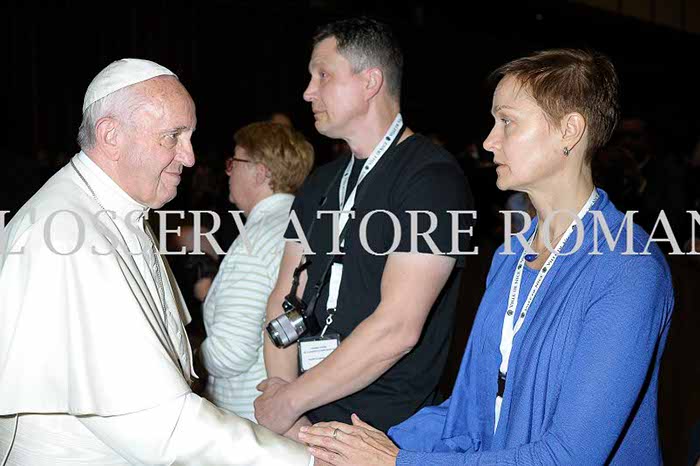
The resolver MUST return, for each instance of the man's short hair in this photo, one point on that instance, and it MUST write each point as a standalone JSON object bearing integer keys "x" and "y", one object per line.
{"x": 283, "y": 150}
{"x": 367, "y": 43}
{"x": 562, "y": 81}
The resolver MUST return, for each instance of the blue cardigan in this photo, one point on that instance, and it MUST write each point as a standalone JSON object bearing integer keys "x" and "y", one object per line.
{"x": 583, "y": 372}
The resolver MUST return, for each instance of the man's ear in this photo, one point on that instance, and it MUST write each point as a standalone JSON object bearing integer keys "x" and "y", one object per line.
{"x": 374, "y": 81}
{"x": 107, "y": 134}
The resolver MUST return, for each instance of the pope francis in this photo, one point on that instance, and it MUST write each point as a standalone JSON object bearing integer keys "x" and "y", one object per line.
{"x": 94, "y": 359}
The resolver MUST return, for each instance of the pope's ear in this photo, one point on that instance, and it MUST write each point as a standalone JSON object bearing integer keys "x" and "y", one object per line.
{"x": 107, "y": 133}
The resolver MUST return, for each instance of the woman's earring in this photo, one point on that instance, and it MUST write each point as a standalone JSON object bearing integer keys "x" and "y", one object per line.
{"x": 566, "y": 151}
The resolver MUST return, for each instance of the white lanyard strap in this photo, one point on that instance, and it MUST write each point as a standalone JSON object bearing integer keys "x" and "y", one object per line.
{"x": 509, "y": 330}
{"x": 347, "y": 206}
{"x": 372, "y": 161}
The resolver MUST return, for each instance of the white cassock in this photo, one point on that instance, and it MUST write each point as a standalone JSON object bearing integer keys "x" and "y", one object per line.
{"x": 94, "y": 359}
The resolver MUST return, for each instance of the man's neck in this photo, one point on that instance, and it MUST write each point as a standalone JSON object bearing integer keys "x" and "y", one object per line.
{"x": 369, "y": 132}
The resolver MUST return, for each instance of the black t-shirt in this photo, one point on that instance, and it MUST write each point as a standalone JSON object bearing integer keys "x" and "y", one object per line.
{"x": 415, "y": 175}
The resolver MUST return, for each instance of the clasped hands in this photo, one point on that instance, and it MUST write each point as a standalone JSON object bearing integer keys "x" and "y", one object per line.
{"x": 334, "y": 443}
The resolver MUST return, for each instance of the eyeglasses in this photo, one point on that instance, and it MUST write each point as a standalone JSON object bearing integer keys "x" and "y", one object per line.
{"x": 230, "y": 160}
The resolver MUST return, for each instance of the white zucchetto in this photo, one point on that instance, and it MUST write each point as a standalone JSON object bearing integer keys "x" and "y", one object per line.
{"x": 120, "y": 74}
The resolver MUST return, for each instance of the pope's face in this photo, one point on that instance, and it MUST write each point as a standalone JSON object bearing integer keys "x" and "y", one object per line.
{"x": 156, "y": 142}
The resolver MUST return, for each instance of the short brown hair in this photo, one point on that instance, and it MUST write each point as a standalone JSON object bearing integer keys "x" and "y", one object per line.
{"x": 367, "y": 43}
{"x": 571, "y": 80}
{"x": 284, "y": 151}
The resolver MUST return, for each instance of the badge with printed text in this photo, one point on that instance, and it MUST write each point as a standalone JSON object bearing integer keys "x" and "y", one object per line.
{"x": 313, "y": 350}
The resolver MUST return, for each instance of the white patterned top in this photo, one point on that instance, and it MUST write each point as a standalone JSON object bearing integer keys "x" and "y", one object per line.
{"x": 234, "y": 310}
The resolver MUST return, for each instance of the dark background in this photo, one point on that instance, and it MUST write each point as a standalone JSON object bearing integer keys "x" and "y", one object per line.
{"x": 243, "y": 60}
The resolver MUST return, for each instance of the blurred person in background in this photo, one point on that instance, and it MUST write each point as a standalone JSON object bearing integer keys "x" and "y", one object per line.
{"x": 269, "y": 164}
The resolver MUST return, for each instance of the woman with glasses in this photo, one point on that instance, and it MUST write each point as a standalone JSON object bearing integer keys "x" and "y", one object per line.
{"x": 270, "y": 162}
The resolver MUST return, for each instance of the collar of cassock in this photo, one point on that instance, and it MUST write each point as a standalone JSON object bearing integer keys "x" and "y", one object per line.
{"x": 110, "y": 195}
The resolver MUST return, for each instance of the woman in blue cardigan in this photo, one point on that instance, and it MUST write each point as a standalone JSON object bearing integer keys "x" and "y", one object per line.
{"x": 562, "y": 363}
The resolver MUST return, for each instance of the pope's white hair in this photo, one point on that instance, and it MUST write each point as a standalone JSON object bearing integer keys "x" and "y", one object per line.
{"x": 119, "y": 104}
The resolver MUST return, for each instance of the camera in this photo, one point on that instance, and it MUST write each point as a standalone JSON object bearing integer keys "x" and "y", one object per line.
{"x": 287, "y": 328}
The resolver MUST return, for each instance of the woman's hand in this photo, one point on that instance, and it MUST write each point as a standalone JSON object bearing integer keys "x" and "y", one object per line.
{"x": 344, "y": 445}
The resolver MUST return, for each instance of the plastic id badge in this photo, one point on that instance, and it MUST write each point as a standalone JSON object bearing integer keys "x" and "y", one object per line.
{"x": 313, "y": 350}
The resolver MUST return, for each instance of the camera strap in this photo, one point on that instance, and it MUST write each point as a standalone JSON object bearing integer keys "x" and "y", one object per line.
{"x": 304, "y": 263}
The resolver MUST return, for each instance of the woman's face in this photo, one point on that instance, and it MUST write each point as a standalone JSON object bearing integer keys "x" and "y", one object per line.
{"x": 527, "y": 149}
{"x": 241, "y": 180}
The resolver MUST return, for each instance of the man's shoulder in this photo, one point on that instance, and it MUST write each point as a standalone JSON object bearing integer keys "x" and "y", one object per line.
{"x": 421, "y": 154}
{"x": 59, "y": 205}
{"x": 60, "y": 192}
{"x": 320, "y": 179}
{"x": 327, "y": 172}
{"x": 424, "y": 170}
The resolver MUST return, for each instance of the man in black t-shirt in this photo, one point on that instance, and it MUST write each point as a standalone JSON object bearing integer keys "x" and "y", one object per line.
{"x": 396, "y": 297}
